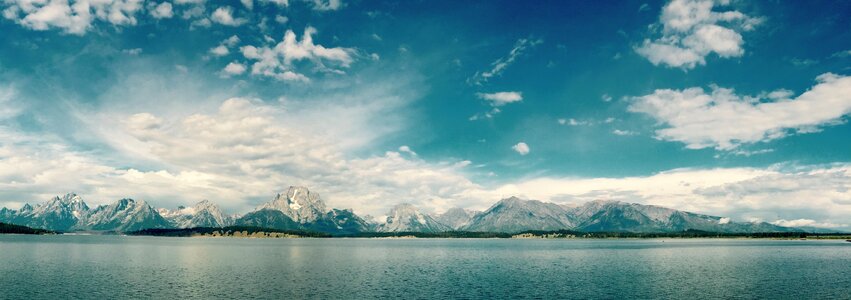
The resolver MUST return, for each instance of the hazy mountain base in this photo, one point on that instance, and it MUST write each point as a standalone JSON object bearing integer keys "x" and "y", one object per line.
{"x": 259, "y": 232}
{"x": 230, "y": 231}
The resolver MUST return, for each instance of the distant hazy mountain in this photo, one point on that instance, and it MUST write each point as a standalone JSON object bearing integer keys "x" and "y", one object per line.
{"x": 596, "y": 216}
{"x": 123, "y": 215}
{"x": 300, "y": 209}
{"x": 515, "y": 215}
{"x": 203, "y": 214}
{"x": 407, "y": 218}
{"x": 456, "y": 218}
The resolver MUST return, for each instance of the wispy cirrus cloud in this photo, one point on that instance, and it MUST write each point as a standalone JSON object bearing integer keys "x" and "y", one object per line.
{"x": 499, "y": 66}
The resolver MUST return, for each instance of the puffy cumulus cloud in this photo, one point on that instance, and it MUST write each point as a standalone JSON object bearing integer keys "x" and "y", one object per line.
{"x": 234, "y": 68}
{"x": 220, "y": 50}
{"x": 224, "y": 16}
{"x": 162, "y": 11}
{"x": 521, "y": 148}
{"x": 224, "y": 47}
{"x": 501, "y": 98}
{"x": 72, "y": 16}
{"x": 691, "y": 30}
{"x": 498, "y": 66}
{"x": 277, "y": 61}
{"x": 725, "y": 120}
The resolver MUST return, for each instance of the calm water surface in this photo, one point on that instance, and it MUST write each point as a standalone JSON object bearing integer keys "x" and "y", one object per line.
{"x": 108, "y": 267}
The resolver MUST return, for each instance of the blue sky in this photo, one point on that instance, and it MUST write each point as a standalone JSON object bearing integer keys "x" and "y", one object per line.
{"x": 732, "y": 108}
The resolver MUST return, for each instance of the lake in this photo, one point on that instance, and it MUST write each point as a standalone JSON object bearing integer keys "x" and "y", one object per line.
{"x": 60, "y": 267}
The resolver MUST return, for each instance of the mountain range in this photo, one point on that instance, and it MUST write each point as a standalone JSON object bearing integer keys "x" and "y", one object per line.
{"x": 300, "y": 209}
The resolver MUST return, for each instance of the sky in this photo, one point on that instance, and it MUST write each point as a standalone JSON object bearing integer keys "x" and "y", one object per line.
{"x": 729, "y": 108}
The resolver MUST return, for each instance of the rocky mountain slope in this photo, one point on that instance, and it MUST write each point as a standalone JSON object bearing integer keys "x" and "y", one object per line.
{"x": 456, "y": 218}
{"x": 515, "y": 215}
{"x": 407, "y": 218}
{"x": 202, "y": 214}
{"x": 122, "y": 215}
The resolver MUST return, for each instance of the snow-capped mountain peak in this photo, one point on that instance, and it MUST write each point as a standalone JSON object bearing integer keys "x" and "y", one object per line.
{"x": 406, "y": 217}
{"x": 298, "y": 203}
{"x": 202, "y": 214}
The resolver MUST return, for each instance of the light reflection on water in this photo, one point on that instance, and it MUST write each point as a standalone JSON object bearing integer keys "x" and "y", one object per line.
{"x": 207, "y": 268}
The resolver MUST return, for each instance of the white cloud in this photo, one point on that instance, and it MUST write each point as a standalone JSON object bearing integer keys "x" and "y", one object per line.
{"x": 134, "y": 51}
{"x": 224, "y": 47}
{"x": 75, "y": 17}
{"x": 572, "y": 122}
{"x": 691, "y": 30}
{"x": 521, "y": 148}
{"x": 485, "y": 115}
{"x": 496, "y": 100}
{"x": 224, "y": 16}
{"x": 234, "y": 68}
{"x": 498, "y": 66}
{"x": 242, "y": 151}
{"x": 220, "y": 50}
{"x": 623, "y": 132}
{"x": 277, "y": 61}
{"x": 406, "y": 149}
{"x": 587, "y": 122}
{"x": 806, "y": 223}
{"x": 606, "y": 98}
{"x": 749, "y": 153}
{"x": 725, "y": 120}
{"x": 841, "y": 54}
{"x": 203, "y": 22}
{"x": 162, "y": 11}
{"x": 501, "y": 98}
{"x": 249, "y": 4}
{"x": 281, "y": 19}
{"x": 231, "y": 41}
